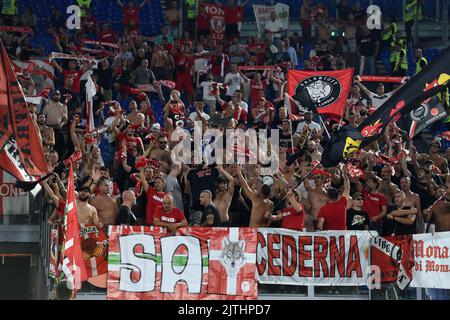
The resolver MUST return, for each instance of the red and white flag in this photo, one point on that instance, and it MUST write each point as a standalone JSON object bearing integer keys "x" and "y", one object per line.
{"x": 91, "y": 91}
{"x": 232, "y": 256}
{"x": 293, "y": 107}
{"x": 94, "y": 245}
{"x": 72, "y": 257}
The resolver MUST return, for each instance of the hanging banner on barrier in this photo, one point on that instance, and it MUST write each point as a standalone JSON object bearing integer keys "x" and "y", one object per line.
{"x": 393, "y": 255}
{"x": 319, "y": 258}
{"x": 94, "y": 245}
{"x": 147, "y": 263}
{"x": 431, "y": 260}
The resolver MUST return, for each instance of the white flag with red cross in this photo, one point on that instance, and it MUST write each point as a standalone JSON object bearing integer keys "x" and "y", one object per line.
{"x": 232, "y": 257}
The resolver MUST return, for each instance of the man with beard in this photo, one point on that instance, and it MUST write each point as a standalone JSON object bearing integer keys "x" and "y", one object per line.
{"x": 57, "y": 117}
{"x": 169, "y": 216}
{"x": 47, "y": 133}
{"x": 387, "y": 187}
{"x": 224, "y": 195}
{"x": 155, "y": 195}
{"x": 126, "y": 216}
{"x": 106, "y": 205}
{"x": 86, "y": 213}
{"x": 160, "y": 151}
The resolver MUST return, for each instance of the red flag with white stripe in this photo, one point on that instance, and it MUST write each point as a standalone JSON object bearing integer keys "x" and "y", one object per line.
{"x": 72, "y": 257}
{"x": 232, "y": 256}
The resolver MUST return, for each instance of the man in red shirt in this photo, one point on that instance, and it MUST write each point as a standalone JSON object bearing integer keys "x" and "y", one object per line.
{"x": 219, "y": 63}
{"x": 202, "y": 22}
{"x": 375, "y": 204}
{"x": 183, "y": 66}
{"x": 333, "y": 215}
{"x": 293, "y": 216}
{"x": 233, "y": 18}
{"x": 155, "y": 195}
{"x": 131, "y": 11}
{"x": 107, "y": 34}
{"x": 74, "y": 73}
{"x": 169, "y": 216}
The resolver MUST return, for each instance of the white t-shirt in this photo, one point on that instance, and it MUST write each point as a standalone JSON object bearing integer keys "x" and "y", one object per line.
{"x": 274, "y": 27}
{"x": 243, "y": 105}
{"x": 207, "y": 89}
{"x": 193, "y": 116}
{"x": 236, "y": 80}
{"x": 377, "y": 100}
{"x": 201, "y": 64}
{"x": 108, "y": 122}
{"x": 313, "y": 125}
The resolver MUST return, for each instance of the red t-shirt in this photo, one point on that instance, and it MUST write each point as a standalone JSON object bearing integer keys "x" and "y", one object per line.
{"x": 373, "y": 203}
{"x": 219, "y": 64}
{"x": 233, "y": 14}
{"x": 131, "y": 142}
{"x": 239, "y": 114}
{"x": 75, "y": 75}
{"x": 107, "y": 36}
{"x": 292, "y": 219}
{"x": 185, "y": 61}
{"x": 335, "y": 215}
{"x": 174, "y": 216}
{"x": 154, "y": 199}
{"x": 255, "y": 88}
{"x": 203, "y": 22}
{"x": 130, "y": 14}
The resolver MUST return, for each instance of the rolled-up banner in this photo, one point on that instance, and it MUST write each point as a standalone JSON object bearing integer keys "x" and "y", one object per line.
{"x": 66, "y": 56}
{"x": 381, "y": 79}
{"x": 101, "y": 43}
{"x": 22, "y": 29}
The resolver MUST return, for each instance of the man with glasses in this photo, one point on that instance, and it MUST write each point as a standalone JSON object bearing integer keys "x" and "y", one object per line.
{"x": 438, "y": 160}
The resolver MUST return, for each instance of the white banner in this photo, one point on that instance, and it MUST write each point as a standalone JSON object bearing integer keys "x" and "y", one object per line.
{"x": 12, "y": 200}
{"x": 431, "y": 260}
{"x": 320, "y": 258}
{"x": 262, "y": 14}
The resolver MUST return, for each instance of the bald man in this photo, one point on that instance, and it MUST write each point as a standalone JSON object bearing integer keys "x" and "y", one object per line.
{"x": 126, "y": 216}
{"x": 169, "y": 216}
{"x": 211, "y": 215}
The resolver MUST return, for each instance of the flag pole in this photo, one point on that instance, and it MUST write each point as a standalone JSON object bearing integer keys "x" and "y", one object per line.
{"x": 323, "y": 124}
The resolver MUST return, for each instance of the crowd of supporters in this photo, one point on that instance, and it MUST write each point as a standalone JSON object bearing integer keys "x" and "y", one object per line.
{"x": 127, "y": 174}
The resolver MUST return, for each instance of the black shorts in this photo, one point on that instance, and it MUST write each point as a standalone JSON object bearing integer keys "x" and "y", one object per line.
{"x": 225, "y": 224}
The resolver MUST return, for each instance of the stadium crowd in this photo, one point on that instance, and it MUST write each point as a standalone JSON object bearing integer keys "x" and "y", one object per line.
{"x": 134, "y": 179}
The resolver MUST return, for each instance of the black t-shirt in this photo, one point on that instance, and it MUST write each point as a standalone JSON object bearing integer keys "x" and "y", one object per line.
{"x": 104, "y": 77}
{"x": 357, "y": 220}
{"x": 400, "y": 228}
{"x": 199, "y": 180}
{"x": 285, "y": 139}
{"x": 126, "y": 216}
{"x": 211, "y": 209}
{"x": 367, "y": 45}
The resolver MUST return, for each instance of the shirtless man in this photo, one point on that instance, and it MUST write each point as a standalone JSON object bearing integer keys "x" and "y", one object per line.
{"x": 224, "y": 195}
{"x": 412, "y": 200}
{"x": 133, "y": 111}
{"x": 47, "y": 133}
{"x": 160, "y": 63}
{"x": 387, "y": 187}
{"x": 106, "y": 205}
{"x": 262, "y": 207}
{"x": 317, "y": 197}
{"x": 441, "y": 211}
{"x": 159, "y": 150}
{"x": 438, "y": 160}
{"x": 86, "y": 213}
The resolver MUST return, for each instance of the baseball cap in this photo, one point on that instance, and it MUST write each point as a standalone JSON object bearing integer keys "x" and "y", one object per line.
{"x": 357, "y": 196}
